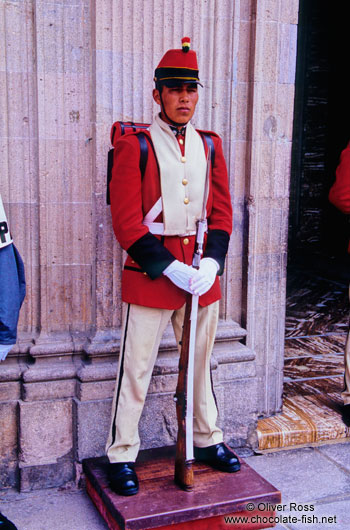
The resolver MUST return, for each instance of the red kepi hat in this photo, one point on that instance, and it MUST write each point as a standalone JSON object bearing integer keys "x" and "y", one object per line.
{"x": 178, "y": 65}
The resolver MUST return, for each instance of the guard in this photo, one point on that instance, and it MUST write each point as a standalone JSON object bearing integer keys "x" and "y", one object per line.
{"x": 154, "y": 220}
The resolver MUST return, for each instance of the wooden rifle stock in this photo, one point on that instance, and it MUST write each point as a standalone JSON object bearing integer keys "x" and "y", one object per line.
{"x": 183, "y": 467}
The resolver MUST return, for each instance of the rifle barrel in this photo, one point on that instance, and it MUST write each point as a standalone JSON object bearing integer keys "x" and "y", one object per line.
{"x": 184, "y": 390}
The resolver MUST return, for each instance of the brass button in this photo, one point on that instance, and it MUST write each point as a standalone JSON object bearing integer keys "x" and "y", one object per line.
{"x": 181, "y": 141}
{"x": 186, "y": 200}
{"x": 132, "y": 261}
{"x": 145, "y": 273}
{"x": 184, "y": 182}
{"x": 183, "y": 159}
{"x": 186, "y": 241}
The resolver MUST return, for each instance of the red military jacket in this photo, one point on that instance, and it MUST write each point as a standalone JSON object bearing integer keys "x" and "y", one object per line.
{"x": 339, "y": 194}
{"x": 148, "y": 255}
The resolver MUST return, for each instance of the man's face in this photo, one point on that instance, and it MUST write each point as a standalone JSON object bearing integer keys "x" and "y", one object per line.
{"x": 179, "y": 102}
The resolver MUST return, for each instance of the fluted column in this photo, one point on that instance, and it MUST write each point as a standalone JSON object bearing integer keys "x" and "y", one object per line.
{"x": 63, "y": 74}
{"x": 269, "y": 101}
{"x": 19, "y": 147}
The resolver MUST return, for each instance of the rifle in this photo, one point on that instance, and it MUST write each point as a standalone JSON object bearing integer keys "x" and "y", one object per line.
{"x": 184, "y": 389}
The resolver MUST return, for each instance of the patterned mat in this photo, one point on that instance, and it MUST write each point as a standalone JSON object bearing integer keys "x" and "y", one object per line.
{"x": 317, "y": 321}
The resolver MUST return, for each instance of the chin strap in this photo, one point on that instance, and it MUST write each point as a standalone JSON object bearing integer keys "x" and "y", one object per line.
{"x": 176, "y": 124}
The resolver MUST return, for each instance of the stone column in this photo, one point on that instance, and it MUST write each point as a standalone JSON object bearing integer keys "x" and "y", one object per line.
{"x": 269, "y": 98}
{"x": 63, "y": 74}
{"x": 19, "y": 146}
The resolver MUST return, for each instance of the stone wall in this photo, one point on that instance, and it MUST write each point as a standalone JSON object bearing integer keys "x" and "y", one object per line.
{"x": 68, "y": 70}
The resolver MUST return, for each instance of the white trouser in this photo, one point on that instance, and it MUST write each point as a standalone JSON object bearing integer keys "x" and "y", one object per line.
{"x": 143, "y": 328}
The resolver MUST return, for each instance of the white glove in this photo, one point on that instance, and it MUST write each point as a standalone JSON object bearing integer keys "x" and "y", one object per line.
{"x": 205, "y": 276}
{"x": 180, "y": 274}
{"x": 4, "y": 349}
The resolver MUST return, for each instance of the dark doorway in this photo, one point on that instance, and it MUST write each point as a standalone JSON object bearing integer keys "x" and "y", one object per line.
{"x": 318, "y": 233}
{"x": 317, "y": 308}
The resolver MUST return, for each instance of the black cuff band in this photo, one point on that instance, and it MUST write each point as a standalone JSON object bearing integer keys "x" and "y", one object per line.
{"x": 216, "y": 247}
{"x": 150, "y": 254}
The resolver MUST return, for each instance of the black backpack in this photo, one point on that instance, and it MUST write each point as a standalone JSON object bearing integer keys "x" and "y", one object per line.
{"x": 119, "y": 128}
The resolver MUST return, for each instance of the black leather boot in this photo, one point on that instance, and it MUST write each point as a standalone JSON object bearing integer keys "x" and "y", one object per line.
{"x": 218, "y": 456}
{"x": 123, "y": 479}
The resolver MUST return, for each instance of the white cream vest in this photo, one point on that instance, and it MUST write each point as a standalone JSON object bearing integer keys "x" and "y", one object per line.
{"x": 182, "y": 179}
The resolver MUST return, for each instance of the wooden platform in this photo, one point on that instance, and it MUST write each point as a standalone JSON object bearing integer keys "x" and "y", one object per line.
{"x": 161, "y": 504}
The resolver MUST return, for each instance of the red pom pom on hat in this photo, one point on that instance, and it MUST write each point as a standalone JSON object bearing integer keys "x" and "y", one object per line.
{"x": 186, "y": 44}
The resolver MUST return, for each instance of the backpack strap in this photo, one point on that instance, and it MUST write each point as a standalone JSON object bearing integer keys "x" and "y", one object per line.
{"x": 207, "y": 138}
{"x": 143, "y": 152}
{"x": 109, "y": 174}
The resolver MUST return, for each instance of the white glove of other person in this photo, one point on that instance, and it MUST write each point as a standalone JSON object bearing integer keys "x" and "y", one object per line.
{"x": 205, "y": 277}
{"x": 4, "y": 349}
{"x": 180, "y": 274}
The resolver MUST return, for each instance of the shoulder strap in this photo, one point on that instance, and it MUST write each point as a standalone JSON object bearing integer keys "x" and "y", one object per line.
{"x": 143, "y": 152}
{"x": 209, "y": 141}
{"x": 144, "y": 140}
{"x": 142, "y": 163}
{"x": 109, "y": 173}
